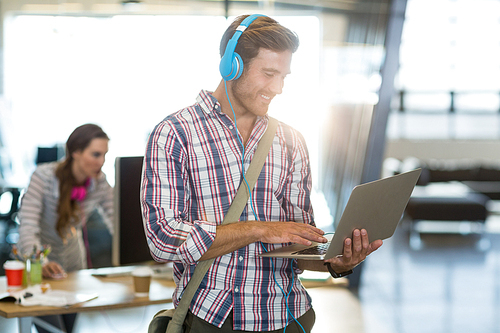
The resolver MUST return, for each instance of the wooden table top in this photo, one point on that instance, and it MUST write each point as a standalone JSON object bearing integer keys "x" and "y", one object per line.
{"x": 114, "y": 293}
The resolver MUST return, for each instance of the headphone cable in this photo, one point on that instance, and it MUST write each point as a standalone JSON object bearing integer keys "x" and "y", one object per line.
{"x": 288, "y": 312}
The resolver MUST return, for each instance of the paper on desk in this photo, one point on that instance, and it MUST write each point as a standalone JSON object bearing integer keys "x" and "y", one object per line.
{"x": 59, "y": 298}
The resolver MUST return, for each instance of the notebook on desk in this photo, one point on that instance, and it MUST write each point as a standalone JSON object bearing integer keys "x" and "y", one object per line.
{"x": 163, "y": 271}
{"x": 113, "y": 271}
{"x": 375, "y": 206}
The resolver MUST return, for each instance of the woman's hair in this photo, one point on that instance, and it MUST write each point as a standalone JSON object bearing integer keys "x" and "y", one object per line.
{"x": 263, "y": 32}
{"x": 77, "y": 141}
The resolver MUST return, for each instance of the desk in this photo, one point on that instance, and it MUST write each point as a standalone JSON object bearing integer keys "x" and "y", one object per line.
{"x": 114, "y": 293}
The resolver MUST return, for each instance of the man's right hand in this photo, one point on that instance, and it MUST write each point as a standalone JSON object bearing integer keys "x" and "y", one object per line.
{"x": 284, "y": 232}
{"x": 233, "y": 236}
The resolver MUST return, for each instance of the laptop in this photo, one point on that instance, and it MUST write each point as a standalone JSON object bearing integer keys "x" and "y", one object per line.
{"x": 375, "y": 206}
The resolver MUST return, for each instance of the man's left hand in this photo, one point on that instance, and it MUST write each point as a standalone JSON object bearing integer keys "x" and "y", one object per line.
{"x": 355, "y": 251}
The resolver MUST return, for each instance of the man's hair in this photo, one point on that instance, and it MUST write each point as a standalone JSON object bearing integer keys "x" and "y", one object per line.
{"x": 264, "y": 32}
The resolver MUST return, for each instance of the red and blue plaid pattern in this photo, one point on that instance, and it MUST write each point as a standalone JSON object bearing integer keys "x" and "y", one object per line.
{"x": 192, "y": 170}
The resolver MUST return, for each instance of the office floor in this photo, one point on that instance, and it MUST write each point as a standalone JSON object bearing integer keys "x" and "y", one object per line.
{"x": 448, "y": 286}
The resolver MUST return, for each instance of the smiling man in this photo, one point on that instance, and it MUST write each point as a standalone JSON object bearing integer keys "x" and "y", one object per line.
{"x": 193, "y": 166}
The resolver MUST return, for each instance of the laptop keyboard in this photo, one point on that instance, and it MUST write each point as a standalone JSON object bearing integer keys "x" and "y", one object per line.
{"x": 319, "y": 249}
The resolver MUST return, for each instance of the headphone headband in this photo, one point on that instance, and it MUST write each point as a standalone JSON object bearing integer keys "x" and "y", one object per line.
{"x": 231, "y": 64}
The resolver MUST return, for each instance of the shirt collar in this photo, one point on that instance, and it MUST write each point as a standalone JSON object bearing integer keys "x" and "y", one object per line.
{"x": 207, "y": 102}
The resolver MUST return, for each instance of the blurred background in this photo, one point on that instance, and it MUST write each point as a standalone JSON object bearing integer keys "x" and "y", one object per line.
{"x": 377, "y": 87}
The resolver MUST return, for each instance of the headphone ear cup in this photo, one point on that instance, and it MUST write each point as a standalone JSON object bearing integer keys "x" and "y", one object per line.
{"x": 237, "y": 67}
{"x": 79, "y": 193}
{"x": 231, "y": 66}
{"x": 225, "y": 67}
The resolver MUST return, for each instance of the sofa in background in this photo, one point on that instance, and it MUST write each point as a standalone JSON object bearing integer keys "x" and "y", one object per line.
{"x": 450, "y": 197}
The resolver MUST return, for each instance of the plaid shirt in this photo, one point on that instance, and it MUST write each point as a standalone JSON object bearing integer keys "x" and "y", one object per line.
{"x": 192, "y": 170}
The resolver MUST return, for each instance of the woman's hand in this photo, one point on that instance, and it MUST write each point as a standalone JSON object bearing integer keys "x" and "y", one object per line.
{"x": 53, "y": 270}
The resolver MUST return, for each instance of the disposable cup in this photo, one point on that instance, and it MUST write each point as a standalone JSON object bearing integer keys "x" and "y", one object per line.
{"x": 142, "y": 280}
{"x": 14, "y": 272}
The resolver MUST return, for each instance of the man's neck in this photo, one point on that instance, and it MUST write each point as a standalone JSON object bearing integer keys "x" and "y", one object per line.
{"x": 244, "y": 121}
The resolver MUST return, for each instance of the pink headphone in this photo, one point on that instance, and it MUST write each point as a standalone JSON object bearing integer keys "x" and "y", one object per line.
{"x": 80, "y": 192}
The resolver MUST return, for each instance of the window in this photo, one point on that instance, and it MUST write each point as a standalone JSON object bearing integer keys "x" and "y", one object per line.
{"x": 126, "y": 73}
{"x": 449, "y": 79}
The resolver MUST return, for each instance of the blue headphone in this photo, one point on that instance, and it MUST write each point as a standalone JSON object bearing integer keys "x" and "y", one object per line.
{"x": 231, "y": 64}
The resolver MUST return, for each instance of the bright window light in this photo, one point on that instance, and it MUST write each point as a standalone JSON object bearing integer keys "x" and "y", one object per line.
{"x": 126, "y": 73}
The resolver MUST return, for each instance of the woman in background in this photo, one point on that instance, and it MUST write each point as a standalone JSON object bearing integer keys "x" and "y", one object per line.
{"x": 59, "y": 199}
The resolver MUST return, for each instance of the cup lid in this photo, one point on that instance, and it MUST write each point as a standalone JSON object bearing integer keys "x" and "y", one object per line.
{"x": 13, "y": 264}
{"x": 142, "y": 271}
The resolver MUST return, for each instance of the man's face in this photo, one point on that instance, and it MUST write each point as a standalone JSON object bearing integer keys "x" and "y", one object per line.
{"x": 260, "y": 82}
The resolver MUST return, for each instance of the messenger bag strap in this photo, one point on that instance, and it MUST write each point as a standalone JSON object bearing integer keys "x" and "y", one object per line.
{"x": 233, "y": 215}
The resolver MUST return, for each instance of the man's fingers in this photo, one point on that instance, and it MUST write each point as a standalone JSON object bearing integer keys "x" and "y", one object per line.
{"x": 284, "y": 232}
{"x": 356, "y": 241}
{"x": 375, "y": 245}
{"x": 364, "y": 239}
{"x": 355, "y": 251}
{"x": 306, "y": 239}
{"x": 347, "y": 248}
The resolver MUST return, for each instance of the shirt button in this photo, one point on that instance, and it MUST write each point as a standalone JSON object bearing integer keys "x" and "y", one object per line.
{"x": 231, "y": 127}
{"x": 241, "y": 258}
{"x": 236, "y": 289}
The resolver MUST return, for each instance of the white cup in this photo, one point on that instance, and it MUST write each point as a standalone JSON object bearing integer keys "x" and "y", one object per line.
{"x": 142, "y": 280}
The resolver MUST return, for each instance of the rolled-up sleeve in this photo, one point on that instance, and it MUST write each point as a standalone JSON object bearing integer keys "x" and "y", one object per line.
{"x": 298, "y": 186}
{"x": 297, "y": 190}
{"x": 165, "y": 201}
{"x": 30, "y": 213}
